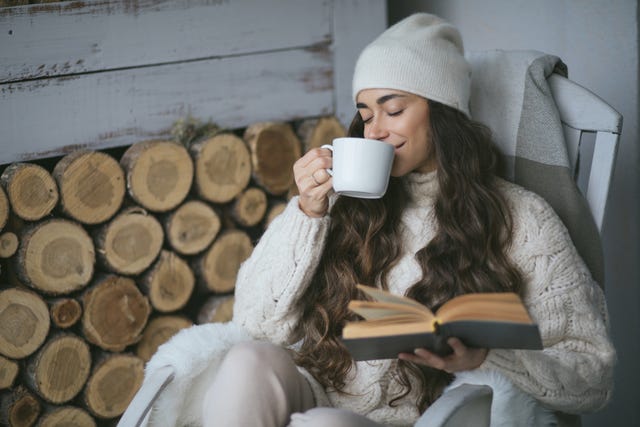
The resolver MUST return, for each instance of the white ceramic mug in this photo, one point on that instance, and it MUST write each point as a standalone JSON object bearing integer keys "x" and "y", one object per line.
{"x": 361, "y": 167}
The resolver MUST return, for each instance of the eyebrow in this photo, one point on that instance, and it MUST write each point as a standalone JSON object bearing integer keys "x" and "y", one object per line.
{"x": 381, "y": 100}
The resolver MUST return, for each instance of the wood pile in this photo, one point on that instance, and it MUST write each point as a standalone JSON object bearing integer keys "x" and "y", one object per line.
{"x": 105, "y": 255}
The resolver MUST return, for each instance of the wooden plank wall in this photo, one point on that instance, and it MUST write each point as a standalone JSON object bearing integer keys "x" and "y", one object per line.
{"x": 107, "y": 73}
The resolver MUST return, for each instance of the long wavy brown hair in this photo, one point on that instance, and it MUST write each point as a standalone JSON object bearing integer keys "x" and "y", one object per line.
{"x": 467, "y": 254}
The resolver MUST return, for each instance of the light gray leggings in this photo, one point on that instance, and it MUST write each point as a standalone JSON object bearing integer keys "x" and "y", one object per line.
{"x": 258, "y": 385}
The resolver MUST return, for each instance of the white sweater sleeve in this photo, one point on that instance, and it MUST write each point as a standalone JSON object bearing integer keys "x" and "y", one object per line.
{"x": 574, "y": 372}
{"x": 277, "y": 273}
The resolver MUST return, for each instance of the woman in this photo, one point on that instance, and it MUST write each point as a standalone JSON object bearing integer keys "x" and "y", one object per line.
{"x": 446, "y": 226}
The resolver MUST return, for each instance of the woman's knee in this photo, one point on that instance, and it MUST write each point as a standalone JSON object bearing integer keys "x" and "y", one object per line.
{"x": 256, "y": 357}
{"x": 334, "y": 417}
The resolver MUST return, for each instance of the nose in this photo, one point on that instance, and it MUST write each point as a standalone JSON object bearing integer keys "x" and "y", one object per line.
{"x": 375, "y": 130}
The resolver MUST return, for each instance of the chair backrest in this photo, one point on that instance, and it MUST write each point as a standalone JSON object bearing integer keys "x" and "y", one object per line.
{"x": 592, "y": 161}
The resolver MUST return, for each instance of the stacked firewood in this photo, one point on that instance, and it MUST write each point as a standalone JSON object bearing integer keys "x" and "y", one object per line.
{"x": 105, "y": 257}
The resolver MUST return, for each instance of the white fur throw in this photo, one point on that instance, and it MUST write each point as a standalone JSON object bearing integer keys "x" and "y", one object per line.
{"x": 511, "y": 406}
{"x": 195, "y": 354}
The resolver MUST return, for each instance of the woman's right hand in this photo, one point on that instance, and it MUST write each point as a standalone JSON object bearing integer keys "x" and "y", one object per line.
{"x": 314, "y": 182}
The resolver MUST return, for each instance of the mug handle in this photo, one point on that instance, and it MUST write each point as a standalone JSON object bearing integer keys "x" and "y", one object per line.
{"x": 329, "y": 147}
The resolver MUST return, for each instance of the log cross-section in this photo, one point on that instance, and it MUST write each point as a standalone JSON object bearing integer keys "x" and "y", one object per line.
{"x": 31, "y": 190}
{"x": 115, "y": 312}
{"x": 158, "y": 331}
{"x": 59, "y": 370}
{"x": 112, "y": 384}
{"x": 65, "y": 416}
{"x": 19, "y": 408}
{"x": 168, "y": 283}
{"x": 91, "y": 184}
{"x": 217, "y": 268}
{"x": 191, "y": 228}
{"x": 55, "y": 256}
{"x": 130, "y": 242}
{"x": 274, "y": 149}
{"x": 159, "y": 174}
{"x": 223, "y": 166}
{"x": 24, "y": 322}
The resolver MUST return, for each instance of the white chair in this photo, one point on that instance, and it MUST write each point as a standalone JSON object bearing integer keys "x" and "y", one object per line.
{"x": 581, "y": 112}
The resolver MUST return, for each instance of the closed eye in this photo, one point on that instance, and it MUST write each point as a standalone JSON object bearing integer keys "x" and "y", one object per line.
{"x": 396, "y": 113}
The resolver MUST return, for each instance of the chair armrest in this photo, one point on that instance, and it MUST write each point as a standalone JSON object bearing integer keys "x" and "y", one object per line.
{"x": 136, "y": 413}
{"x": 465, "y": 405}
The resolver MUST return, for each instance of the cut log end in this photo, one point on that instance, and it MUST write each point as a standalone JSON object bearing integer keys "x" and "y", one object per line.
{"x": 112, "y": 385}
{"x": 316, "y": 132}
{"x": 192, "y": 227}
{"x": 92, "y": 186}
{"x": 274, "y": 149}
{"x": 115, "y": 313}
{"x": 24, "y": 322}
{"x": 65, "y": 312}
{"x": 66, "y": 416}
{"x": 56, "y": 257}
{"x": 169, "y": 282}
{"x": 60, "y": 368}
{"x": 130, "y": 242}
{"x": 218, "y": 268}
{"x": 8, "y": 372}
{"x": 4, "y": 208}
{"x": 19, "y": 408}
{"x": 223, "y": 167}
{"x": 159, "y": 174}
{"x": 249, "y": 207}
{"x": 31, "y": 190}
{"x": 8, "y": 244}
{"x": 158, "y": 331}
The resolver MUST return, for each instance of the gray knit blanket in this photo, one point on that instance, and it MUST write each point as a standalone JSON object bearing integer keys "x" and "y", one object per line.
{"x": 510, "y": 94}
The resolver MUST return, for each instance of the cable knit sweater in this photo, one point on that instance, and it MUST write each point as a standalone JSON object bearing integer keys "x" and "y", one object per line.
{"x": 574, "y": 371}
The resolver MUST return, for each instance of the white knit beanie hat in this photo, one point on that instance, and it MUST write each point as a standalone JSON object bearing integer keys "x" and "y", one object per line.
{"x": 423, "y": 55}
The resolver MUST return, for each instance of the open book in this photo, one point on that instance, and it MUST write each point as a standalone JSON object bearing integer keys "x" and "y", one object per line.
{"x": 395, "y": 324}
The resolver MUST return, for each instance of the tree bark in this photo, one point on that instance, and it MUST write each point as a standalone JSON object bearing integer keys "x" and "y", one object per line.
{"x": 158, "y": 331}
{"x": 130, "y": 242}
{"x": 274, "y": 149}
{"x": 19, "y": 408}
{"x": 59, "y": 370}
{"x": 31, "y": 190}
{"x": 92, "y": 186}
{"x": 168, "y": 283}
{"x": 5, "y": 208}
{"x": 55, "y": 256}
{"x": 249, "y": 207}
{"x": 24, "y": 322}
{"x": 115, "y": 313}
{"x": 223, "y": 167}
{"x": 159, "y": 174}
{"x": 217, "y": 268}
{"x": 191, "y": 228}
{"x": 113, "y": 382}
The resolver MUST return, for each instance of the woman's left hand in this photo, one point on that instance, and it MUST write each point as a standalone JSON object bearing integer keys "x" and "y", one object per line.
{"x": 463, "y": 358}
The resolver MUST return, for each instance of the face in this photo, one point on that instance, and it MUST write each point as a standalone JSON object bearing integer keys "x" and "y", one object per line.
{"x": 402, "y": 120}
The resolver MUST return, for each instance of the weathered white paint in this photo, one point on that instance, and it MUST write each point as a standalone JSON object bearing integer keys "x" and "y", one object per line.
{"x": 109, "y": 73}
{"x": 44, "y": 118}
{"x": 63, "y": 38}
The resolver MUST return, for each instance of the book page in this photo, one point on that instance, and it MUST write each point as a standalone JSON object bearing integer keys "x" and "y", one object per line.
{"x": 503, "y": 306}
{"x": 388, "y": 297}
{"x": 376, "y": 310}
